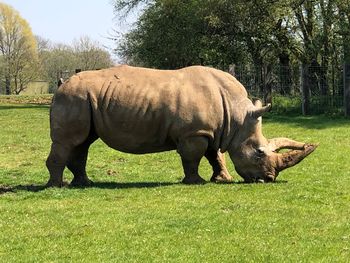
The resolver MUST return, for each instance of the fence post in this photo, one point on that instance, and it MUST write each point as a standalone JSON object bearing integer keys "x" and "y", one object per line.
{"x": 346, "y": 76}
{"x": 305, "y": 92}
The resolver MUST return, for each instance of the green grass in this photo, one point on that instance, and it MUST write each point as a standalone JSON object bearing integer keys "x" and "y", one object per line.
{"x": 138, "y": 212}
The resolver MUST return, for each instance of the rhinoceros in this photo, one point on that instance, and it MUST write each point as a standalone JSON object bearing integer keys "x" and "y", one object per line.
{"x": 197, "y": 111}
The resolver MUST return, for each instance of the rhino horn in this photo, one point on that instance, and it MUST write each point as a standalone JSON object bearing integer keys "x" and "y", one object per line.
{"x": 293, "y": 157}
{"x": 277, "y": 144}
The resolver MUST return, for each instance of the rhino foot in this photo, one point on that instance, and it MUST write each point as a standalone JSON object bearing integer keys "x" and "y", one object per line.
{"x": 81, "y": 182}
{"x": 193, "y": 180}
{"x": 221, "y": 178}
{"x": 58, "y": 184}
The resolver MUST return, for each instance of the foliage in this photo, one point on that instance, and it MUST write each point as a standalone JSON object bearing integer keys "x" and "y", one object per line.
{"x": 126, "y": 6}
{"x": 90, "y": 55}
{"x": 248, "y": 33}
{"x": 138, "y": 212}
{"x": 61, "y": 61}
{"x": 24, "y": 58}
{"x": 167, "y": 36}
{"x": 56, "y": 59}
{"x": 174, "y": 34}
{"x": 18, "y": 57}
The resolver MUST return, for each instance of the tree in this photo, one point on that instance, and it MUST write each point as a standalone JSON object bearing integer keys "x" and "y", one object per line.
{"x": 178, "y": 33}
{"x": 19, "y": 59}
{"x": 167, "y": 35}
{"x": 344, "y": 30}
{"x": 123, "y": 7}
{"x": 344, "y": 27}
{"x": 56, "y": 59}
{"x": 90, "y": 55}
{"x": 257, "y": 35}
{"x": 60, "y": 60}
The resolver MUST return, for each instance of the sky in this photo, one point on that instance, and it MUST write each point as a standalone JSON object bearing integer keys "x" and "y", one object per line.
{"x": 63, "y": 21}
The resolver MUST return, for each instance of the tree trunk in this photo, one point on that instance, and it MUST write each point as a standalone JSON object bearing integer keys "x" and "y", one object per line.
{"x": 7, "y": 85}
{"x": 346, "y": 74}
{"x": 305, "y": 89}
{"x": 323, "y": 78}
{"x": 268, "y": 72}
{"x": 285, "y": 74}
{"x": 347, "y": 90}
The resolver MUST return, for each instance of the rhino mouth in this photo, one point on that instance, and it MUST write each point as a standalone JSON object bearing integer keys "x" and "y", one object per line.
{"x": 269, "y": 178}
{"x": 259, "y": 180}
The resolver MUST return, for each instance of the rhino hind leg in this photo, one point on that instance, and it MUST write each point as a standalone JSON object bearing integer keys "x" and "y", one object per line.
{"x": 217, "y": 161}
{"x": 77, "y": 162}
{"x": 191, "y": 150}
{"x": 71, "y": 130}
{"x": 56, "y": 163}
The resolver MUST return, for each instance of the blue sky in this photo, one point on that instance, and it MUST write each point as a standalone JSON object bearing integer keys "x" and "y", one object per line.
{"x": 62, "y": 21}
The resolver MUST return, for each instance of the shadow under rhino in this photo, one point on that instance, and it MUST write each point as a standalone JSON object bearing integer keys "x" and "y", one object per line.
{"x": 101, "y": 185}
{"x": 109, "y": 185}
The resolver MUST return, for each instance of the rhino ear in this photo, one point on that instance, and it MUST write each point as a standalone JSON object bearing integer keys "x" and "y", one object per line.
{"x": 257, "y": 103}
{"x": 259, "y": 111}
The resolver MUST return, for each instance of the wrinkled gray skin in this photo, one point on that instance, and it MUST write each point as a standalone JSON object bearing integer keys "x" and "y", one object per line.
{"x": 197, "y": 111}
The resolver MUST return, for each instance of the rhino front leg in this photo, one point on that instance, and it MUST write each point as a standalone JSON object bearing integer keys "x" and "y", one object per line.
{"x": 191, "y": 150}
{"x": 217, "y": 161}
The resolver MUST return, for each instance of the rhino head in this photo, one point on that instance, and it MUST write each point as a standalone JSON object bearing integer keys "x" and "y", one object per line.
{"x": 257, "y": 159}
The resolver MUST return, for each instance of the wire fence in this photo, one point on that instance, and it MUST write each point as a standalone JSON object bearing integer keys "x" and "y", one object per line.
{"x": 310, "y": 89}
{"x": 288, "y": 87}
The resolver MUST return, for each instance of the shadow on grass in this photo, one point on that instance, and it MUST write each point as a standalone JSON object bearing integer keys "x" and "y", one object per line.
{"x": 130, "y": 185}
{"x": 308, "y": 122}
{"x": 101, "y": 185}
{"x": 12, "y": 189}
{"x": 24, "y": 106}
{"x": 115, "y": 185}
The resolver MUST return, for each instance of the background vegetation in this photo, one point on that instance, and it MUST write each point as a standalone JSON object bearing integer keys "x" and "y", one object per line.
{"x": 18, "y": 57}
{"x": 25, "y": 58}
{"x": 61, "y": 61}
{"x": 138, "y": 212}
{"x": 177, "y": 33}
{"x": 291, "y": 47}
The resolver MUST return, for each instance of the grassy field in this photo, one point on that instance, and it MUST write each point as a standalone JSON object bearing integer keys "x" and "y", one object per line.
{"x": 138, "y": 212}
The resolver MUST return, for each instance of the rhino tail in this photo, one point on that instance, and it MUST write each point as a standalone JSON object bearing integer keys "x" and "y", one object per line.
{"x": 70, "y": 117}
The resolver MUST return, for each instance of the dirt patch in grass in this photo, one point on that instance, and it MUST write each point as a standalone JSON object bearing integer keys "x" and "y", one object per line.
{"x": 33, "y": 99}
